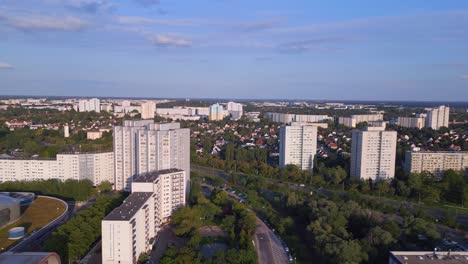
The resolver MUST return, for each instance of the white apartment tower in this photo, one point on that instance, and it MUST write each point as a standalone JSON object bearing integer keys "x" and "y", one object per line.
{"x": 411, "y": 122}
{"x": 298, "y": 145}
{"x": 93, "y": 104}
{"x": 148, "y": 109}
{"x": 66, "y": 131}
{"x": 438, "y": 117}
{"x": 373, "y": 154}
{"x": 216, "y": 112}
{"x": 129, "y": 230}
{"x": 144, "y": 146}
{"x": 235, "y": 110}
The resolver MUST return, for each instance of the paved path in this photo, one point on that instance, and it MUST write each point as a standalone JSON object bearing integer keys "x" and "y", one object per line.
{"x": 269, "y": 248}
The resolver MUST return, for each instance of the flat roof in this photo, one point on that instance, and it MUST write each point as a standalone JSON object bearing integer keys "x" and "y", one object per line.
{"x": 152, "y": 176}
{"x": 129, "y": 207}
{"x": 419, "y": 257}
{"x": 28, "y": 257}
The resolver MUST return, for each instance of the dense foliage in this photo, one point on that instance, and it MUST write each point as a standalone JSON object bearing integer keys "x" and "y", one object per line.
{"x": 73, "y": 239}
{"x": 68, "y": 190}
{"x": 342, "y": 229}
{"x": 236, "y": 220}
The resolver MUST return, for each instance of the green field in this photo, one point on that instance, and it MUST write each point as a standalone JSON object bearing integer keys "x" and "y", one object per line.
{"x": 34, "y": 217}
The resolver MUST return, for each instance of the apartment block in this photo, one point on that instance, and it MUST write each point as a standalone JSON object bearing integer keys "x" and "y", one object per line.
{"x": 288, "y": 118}
{"x": 235, "y": 110}
{"x": 298, "y": 145}
{"x": 96, "y": 167}
{"x": 131, "y": 228}
{"x": 435, "y": 162}
{"x": 89, "y": 105}
{"x": 438, "y": 117}
{"x": 217, "y": 112}
{"x": 148, "y": 110}
{"x": 435, "y": 257}
{"x": 144, "y": 146}
{"x": 373, "y": 154}
{"x": 412, "y": 122}
{"x": 353, "y": 120}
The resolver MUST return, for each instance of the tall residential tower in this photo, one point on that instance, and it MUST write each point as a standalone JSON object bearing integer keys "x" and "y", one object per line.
{"x": 143, "y": 146}
{"x": 298, "y": 145}
{"x": 438, "y": 117}
{"x": 373, "y": 154}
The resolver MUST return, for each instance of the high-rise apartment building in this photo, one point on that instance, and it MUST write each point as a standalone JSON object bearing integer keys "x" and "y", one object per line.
{"x": 411, "y": 122}
{"x": 130, "y": 229}
{"x": 216, "y": 112}
{"x": 373, "y": 154}
{"x": 93, "y": 104}
{"x": 438, "y": 117}
{"x": 435, "y": 162}
{"x": 148, "y": 109}
{"x": 235, "y": 110}
{"x": 298, "y": 145}
{"x": 143, "y": 146}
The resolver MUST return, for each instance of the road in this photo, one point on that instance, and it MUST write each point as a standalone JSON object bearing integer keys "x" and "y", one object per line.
{"x": 270, "y": 249}
{"x": 437, "y": 213}
{"x": 268, "y": 246}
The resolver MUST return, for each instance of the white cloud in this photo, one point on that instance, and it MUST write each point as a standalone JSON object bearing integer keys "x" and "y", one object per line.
{"x": 43, "y": 23}
{"x": 169, "y": 41}
{"x": 89, "y": 5}
{"x": 147, "y": 2}
{"x": 259, "y": 25}
{"x": 137, "y": 20}
{"x": 4, "y": 65}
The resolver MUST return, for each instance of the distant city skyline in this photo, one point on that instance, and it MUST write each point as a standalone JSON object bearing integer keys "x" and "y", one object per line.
{"x": 309, "y": 50}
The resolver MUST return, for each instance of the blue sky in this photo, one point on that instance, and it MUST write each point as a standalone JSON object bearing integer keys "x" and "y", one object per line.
{"x": 368, "y": 50}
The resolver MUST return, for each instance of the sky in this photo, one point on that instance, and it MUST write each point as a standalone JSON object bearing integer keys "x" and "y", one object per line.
{"x": 246, "y": 49}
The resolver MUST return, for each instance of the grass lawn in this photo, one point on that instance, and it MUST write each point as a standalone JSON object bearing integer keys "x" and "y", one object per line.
{"x": 35, "y": 216}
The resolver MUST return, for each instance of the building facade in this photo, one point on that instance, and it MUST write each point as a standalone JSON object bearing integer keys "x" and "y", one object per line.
{"x": 143, "y": 146}
{"x": 438, "y": 117}
{"x": 235, "y": 110}
{"x": 412, "y": 122}
{"x": 130, "y": 229}
{"x": 96, "y": 167}
{"x": 373, "y": 154}
{"x": 89, "y": 105}
{"x": 288, "y": 118}
{"x": 148, "y": 109}
{"x": 217, "y": 112}
{"x": 435, "y": 162}
{"x": 353, "y": 120}
{"x": 436, "y": 257}
{"x": 298, "y": 145}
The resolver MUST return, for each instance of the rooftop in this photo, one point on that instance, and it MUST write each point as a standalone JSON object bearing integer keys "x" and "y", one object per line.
{"x": 417, "y": 257}
{"x": 29, "y": 258}
{"x": 129, "y": 207}
{"x": 152, "y": 176}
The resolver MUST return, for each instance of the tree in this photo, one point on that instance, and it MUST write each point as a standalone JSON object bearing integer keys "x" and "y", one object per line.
{"x": 105, "y": 186}
{"x": 186, "y": 221}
